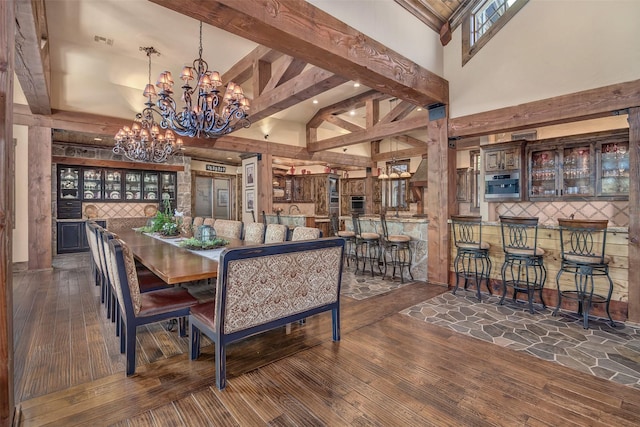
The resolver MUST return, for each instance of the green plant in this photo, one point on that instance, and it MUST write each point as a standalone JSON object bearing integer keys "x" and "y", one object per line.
{"x": 164, "y": 220}
{"x": 196, "y": 244}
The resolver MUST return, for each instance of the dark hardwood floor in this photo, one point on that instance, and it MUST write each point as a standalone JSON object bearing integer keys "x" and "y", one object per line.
{"x": 389, "y": 369}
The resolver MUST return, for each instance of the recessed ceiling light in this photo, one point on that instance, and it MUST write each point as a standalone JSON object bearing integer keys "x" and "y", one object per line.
{"x": 315, "y": 101}
{"x": 97, "y": 139}
{"x": 229, "y": 158}
{"x": 352, "y": 112}
{"x": 356, "y": 84}
{"x": 419, "y": 109}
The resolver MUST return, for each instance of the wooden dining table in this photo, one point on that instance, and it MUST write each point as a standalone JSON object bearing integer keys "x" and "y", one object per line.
{"x": 172, "y": 263}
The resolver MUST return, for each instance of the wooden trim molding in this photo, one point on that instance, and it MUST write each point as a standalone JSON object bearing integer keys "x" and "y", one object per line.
{"x": 79, "y": 161}
{"x": 634, "y": 214}
{"x": 588, "y": 104}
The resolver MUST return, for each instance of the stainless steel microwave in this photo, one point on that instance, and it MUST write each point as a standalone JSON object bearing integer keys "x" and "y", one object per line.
{"x": 502, "y": 186}
{"x": 357, "y": 204}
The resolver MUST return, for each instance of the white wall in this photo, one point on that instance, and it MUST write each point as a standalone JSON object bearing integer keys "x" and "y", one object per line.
{"x": 549, "y": 48}
{"x": 21, "y": 230}
{"x": 390, "y": 24}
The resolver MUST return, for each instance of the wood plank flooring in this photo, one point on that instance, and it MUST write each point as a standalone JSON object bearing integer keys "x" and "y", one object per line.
{"x": 389, "y": 369}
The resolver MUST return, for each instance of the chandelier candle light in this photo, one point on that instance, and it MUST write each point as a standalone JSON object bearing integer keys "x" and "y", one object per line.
{"x": 143, "y": 141}
{"x": 204, "y": 114}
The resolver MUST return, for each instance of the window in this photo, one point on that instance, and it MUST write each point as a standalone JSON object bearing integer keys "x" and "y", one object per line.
{"x": 395, "y": 189}
{"x": 484, "y": 21}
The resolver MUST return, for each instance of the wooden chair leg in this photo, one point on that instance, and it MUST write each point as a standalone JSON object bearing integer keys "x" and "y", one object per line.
{"x": 131, "y": 349}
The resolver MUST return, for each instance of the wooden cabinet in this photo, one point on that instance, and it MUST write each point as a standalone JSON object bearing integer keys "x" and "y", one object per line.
{"x": 72, "y": 236}
{"x": 357, "y": 187}
{"x": 503, "y": 157}
{"x": 302, "y": 189}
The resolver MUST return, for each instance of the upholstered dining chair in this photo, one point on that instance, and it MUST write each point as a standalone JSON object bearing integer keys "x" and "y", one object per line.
{"x": 209, "y": 221}
{"x": 276, "y": 233}
{"x": 305, "y": 233}
{"x": 90, "y": 228}
{"x": 228, "y": 228}
{"x": 137, "y": 308}
{"x": 254, "y": 232}
{"x": 198, "y": 221}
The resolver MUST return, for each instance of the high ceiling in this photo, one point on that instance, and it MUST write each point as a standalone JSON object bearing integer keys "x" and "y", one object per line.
{"x": 97, "y": 68}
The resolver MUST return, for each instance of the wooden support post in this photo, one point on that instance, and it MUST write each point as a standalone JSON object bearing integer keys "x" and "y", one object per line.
{"x": 40, "y": 231}
{"x": 440, "y": 200}
{"x": 7, "y": 52}
{"x": 264, "y": 190}
{"x": 634, "y": 215}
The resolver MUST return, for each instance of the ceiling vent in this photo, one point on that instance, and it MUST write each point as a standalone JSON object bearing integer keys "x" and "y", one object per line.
{"x": 103, "y": 40}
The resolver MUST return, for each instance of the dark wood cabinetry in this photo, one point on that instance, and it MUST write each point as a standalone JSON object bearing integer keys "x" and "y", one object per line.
{"x": 78, "y": 184}
{"x": 72, "y": 236}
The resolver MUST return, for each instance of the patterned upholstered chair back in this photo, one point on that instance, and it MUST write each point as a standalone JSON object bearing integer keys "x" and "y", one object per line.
{"x": 185, "y": 227}
{"x": 209, "y": 221}
{"x": 254, "y": 232}
{"x": 275, "y": 233}
{"x": 228, "y": 228}
{"x": 198, "y": 221}
{"x": 126, "y": 277}
{"x": 305, "y": 233}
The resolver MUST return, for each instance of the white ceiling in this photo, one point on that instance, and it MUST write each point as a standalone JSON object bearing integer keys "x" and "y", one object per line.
{"x": 106, "y": 77}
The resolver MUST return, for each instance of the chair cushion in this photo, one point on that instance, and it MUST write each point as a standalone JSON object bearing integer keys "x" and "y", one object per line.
{"x": 398, "y": 238}
{"x": 483, "y": 245}
{"x": 204, "y": 312}
{"x": 345, "y": 233}
{"x": 587, "y": 259}
{"x": 165, "y": 300}
{"x": 513, "y": 251}
{"x": 369, "y": 236}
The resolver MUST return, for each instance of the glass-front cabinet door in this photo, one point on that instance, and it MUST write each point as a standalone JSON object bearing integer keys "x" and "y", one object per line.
{"x": 69, "y": 179}
{"x": 168, "y": 187}
{"x": 613, "y": 169}
{"x": 577, "y": 173}
{"x": 150, "y": 186}
{"x": 91, "y": 184}
{"x": 113, "y": 184}
{"x": 543, "y": 173}
{"x": 133, "y": 185}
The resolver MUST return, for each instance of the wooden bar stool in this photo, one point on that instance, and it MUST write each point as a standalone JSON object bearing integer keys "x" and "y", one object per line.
{"x": 582, "y": 244}
{"x": 398, "y": 248}
{"x": 523, "y": 268}
{"x": 472, "y": 263}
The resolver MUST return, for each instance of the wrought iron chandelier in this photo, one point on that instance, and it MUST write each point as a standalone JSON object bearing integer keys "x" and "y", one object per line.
{"x": 143, "y": 141}
{"x": 206, "y": 113}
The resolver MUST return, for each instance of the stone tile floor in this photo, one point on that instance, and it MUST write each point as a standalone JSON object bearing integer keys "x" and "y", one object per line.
{"x": 601, "y": 350}
{"x": 361, "y": 286}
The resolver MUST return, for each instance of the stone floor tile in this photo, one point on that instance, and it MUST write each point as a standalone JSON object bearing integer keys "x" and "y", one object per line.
{"x": 604, "y": 351}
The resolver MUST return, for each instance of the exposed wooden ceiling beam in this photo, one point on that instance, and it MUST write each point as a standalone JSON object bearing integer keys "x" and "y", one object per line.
{"x": 31, "y": 57}
{"x": 344, "y": 124}
{"x": 414, "y": 142}
{"x": 398, "y": 112}
{"x": 303, "y": 31}
{"x": 340, "y": 107}
{"x": 588, "y": 104}
{"x": 246, "y": 145}
{"x": 380, "y": 131}
{"x": 400, "y": 154}
{"x": 288, "y": 69}
{"x": 242, "y": 70}
{"x": 307, "y": 85}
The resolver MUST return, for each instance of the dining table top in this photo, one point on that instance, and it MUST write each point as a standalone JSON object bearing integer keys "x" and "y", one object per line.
{"x": 172, "y": 263}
